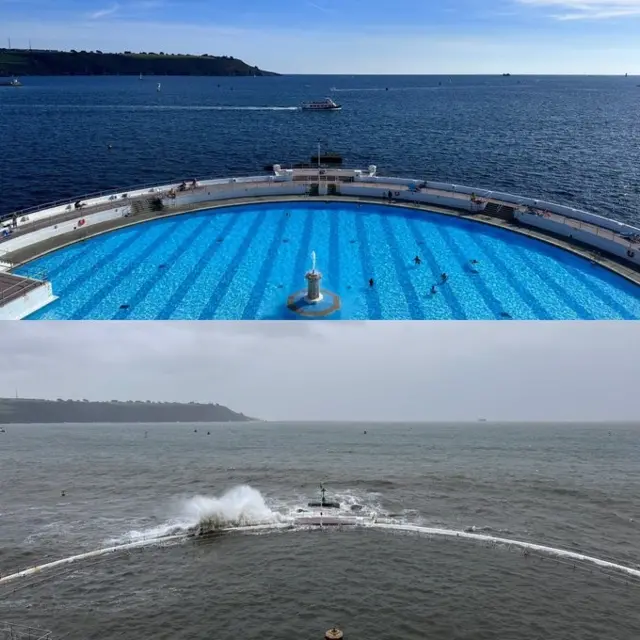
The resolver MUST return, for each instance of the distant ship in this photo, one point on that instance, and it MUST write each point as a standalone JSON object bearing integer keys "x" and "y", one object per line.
{"x": 14, "y": 82}
{"x": 321, "y": 105}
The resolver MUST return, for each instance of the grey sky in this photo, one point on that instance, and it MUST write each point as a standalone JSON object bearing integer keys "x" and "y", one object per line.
{"x": 337, "y": 370}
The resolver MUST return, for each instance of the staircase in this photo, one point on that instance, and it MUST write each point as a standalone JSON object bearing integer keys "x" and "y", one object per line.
{"x": 146, "y": 205}
{"x": 499, "y": 210}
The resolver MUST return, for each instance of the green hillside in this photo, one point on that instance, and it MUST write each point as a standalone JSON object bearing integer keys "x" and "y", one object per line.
{"x": 23, "y": 62}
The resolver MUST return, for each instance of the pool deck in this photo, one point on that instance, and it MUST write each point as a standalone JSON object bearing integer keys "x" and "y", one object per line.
{"x": 21, "y": 256}
{"x": 13, "y": 287}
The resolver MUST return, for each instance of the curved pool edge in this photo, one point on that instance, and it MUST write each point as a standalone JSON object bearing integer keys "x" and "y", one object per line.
{"x": 79, "y": 235}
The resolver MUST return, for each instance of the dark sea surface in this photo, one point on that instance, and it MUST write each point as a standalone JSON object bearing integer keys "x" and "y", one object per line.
{"x": 576, "y": 487}
{"x": 572, "y": 140}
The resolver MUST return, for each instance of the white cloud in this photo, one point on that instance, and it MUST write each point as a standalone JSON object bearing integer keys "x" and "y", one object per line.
{"x": 318, "y": 7}
{"x": 589, "y": 9}
{"x": 103, "y": 13}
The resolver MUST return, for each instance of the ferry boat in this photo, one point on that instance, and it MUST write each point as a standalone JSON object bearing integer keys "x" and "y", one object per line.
{"x": 14, "y": 82}
{"x": 321, "y": 105}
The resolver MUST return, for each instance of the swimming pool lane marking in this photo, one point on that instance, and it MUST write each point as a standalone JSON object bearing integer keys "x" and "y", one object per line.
{"x": 74, "y": 256}
{"x": 207, "y": 312}
{"x": 372, "y": 298}
{"x": 213, "y": 274}
{"x": 257, "y": 292}
{"x": 490, "y": 300}
{"x": 136, "y": 261}
{"x": 127, "y": 238}
{"x": 401, "y": 264}
{"x": 450, "y": 297}
{"x": 190, "y": 278}
{"x": 143, "y": 291}
{"x": 512, "y": 279}
{"x": 563, "y": 293}
{"x": 555, "y": 307}
{"x": 333, "y": 277}
{"x": 600, "y": 293}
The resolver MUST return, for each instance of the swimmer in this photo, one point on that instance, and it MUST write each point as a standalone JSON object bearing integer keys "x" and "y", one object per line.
{"x": 433, "y": 290}
{"x": 417, "y": 260}
{"x": 444, "y": 277}
{"x": 371, "y": 282}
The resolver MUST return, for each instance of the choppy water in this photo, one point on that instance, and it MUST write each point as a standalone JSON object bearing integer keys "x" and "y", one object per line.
{"x": 576, "y": 487}
{"x": 574, "y": 140}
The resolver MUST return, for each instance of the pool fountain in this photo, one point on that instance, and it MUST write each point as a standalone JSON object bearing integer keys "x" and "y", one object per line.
{"x": 313, "y": 277}
{"x": 313, "y": 302}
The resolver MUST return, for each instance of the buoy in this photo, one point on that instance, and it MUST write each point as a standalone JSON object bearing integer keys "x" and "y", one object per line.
{"x": 333, "y": 634}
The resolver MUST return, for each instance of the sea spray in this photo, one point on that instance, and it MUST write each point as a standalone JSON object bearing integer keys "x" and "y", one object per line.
{"x": 239, "y": 507}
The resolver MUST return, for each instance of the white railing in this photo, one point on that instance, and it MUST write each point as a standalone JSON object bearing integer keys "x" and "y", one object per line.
{"x": 22, "y": 286}
{"x": 142, "y": 189}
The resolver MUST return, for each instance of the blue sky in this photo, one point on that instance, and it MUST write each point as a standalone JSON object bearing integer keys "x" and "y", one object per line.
{"x": 348, "y": 36}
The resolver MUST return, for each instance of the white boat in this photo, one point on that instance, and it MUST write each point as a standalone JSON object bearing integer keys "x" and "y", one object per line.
{"x": 321, "y": 105}
{"x": 14, "y": 82}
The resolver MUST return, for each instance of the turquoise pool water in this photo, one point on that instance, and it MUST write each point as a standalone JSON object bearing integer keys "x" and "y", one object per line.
{"x": 243, "y": 262}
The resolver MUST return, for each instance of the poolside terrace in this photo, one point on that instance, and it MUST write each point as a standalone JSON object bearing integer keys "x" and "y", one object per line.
{"x": 33, "y": 232}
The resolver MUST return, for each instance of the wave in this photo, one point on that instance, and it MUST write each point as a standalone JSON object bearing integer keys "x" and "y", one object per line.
{"x": 240, "y": 506}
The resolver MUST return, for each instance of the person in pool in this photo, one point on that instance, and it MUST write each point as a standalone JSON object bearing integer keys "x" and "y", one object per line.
{"x": 417, "y": 260}
{"x": 371, "y": 282}
{"x": 444, "y": 277}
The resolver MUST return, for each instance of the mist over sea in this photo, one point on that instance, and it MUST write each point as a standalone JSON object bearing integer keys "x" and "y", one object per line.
{"x": 571, "y": 486}
{"x": 572, "y": 140}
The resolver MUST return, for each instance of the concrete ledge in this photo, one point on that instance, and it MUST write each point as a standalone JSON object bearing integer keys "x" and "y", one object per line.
{"x": 30, "y": 299}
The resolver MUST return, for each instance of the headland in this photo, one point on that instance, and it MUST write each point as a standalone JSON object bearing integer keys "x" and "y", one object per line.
{"x": 37, "y": 62}
{"x": 37, "y": 411}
